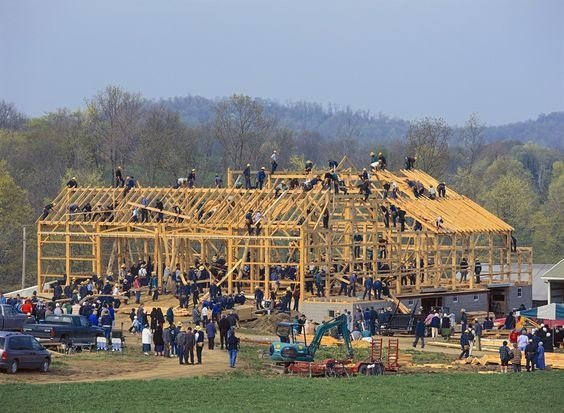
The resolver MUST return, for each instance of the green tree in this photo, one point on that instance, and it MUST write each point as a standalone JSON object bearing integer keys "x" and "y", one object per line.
{"x": 512, "y": 199}
{"x": 548, "y": 236}
{"x": 15, "y": 212}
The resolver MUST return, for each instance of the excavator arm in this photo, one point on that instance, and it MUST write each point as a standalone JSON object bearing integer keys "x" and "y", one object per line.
{"x": 340, "y": 323}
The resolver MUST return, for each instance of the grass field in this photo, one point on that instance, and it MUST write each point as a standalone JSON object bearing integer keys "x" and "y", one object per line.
{"x": 241, "y": 393}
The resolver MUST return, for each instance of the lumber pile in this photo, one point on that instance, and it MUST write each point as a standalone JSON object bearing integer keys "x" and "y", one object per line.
{"x": 554, "y": 360}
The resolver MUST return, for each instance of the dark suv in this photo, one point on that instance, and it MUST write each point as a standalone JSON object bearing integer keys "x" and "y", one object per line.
{"x": 21, "y": 351}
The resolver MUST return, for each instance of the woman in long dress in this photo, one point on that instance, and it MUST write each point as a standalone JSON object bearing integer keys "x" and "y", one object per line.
{"x": 540, "y": 357}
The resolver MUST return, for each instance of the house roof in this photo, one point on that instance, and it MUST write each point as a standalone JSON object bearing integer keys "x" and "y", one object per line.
{"x": 556, "y": 272}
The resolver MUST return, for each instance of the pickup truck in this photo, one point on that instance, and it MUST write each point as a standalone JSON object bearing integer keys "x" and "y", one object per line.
{"x": 64, "y": 329}
{"x": 10, "y": 319}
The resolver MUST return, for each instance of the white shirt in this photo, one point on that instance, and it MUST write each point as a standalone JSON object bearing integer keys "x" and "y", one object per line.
{"x": 522, "y": 341}
{"x": 273, "y": 157}
{"x": 146, "y": 336}
{"x": 57, "y": 311}
{"x": 205, "y": 312}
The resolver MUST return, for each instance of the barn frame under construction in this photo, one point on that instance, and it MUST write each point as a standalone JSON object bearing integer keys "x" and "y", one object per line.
{"x": 206, "y": 223}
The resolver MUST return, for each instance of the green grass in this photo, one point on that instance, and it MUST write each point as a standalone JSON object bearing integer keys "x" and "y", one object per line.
{"x": 232, "y": 393}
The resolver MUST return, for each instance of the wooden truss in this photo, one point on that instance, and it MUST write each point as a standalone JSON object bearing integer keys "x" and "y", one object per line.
{"x": 206, "y": 223}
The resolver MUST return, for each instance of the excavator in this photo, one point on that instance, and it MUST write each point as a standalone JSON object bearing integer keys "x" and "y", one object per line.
{"x": 289, "y": 349}
{"x": 298, "y": 357}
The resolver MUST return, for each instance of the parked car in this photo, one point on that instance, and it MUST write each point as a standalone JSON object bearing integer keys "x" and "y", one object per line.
{"x": 22, "y": 351}
{"x": 64, "y": 328}
{"x": 10, "y": 319}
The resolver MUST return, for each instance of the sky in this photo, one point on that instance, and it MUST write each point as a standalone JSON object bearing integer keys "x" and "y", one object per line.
{"x": 502, "y": 59}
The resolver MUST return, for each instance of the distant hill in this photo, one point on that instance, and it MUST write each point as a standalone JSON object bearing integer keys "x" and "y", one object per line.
{"x": 342, "y": 121}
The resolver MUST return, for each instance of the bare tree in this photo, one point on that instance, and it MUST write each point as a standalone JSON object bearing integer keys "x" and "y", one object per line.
{"x": 114, "y": 116}
{"x": 165, "y": 146}
{"x": 241, "y": 128}
{"x": 472, "y": 139}
{"x": 10, "y": 118}
{"x": 428, "y": 140}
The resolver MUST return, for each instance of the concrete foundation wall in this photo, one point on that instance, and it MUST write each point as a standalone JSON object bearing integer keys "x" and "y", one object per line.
{"x": 320, "y": 311}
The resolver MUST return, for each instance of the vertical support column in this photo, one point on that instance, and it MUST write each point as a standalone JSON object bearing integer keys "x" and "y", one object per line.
{"x": 472, "y": 246}
{"x": 398, "y": 271}
{"x": 303, "y": 261}
{"x": 98, "y": 253}
{"x": 67, "y": 254}
{"x": 490, "y": 256}
{"x": 157, "y": 256}
{"x": 229, "y": 178}
{"x": 453, "y": 261}
{"x": 417, "y": 241}
{"x": 267, "y": 254}
{"x": 39, "y": 269}
{"x": 329, "y": 260}
{"x": 507, "y": 274}
{"x": 229, "y": 260}
{"x": 438, "y": 263}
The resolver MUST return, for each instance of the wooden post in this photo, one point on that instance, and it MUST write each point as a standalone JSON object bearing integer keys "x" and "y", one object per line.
{"x": 40, "y": 281}
{"x": 438, "y": 263}
{"x": 453, "y": 261}
{"x": 490, "y": 256}
{"x": 303, "y": 261}
{"x": 67, "y": 253}
{"x": 418, "y": 262}
{"x": 471, "y": 259}
{"x": 229, "y": 178}
{"x": 98, "y": 254}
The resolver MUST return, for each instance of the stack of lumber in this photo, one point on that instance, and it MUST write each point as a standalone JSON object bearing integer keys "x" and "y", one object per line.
{"x": 554, "y": 360}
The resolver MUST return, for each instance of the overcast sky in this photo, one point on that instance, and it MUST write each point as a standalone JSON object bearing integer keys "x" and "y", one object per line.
{"x": 502, "y": 59}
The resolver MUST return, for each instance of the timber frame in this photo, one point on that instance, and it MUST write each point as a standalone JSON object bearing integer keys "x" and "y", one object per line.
{"x": 212, "y": 224}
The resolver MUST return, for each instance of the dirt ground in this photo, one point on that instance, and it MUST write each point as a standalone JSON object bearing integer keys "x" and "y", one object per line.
{"x": 132, "y": 364}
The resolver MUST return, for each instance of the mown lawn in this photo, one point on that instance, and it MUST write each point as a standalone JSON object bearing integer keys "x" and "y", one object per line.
{"x": 242, "y": 393}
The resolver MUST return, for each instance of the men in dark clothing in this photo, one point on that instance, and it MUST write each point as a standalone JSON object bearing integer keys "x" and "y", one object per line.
{"x": 463, "y": 269}
{"x": 401, "y": 218}
{"x": 308, "y": 166}
{"x": 382, "y": 161}
{"x": 179, "y": 344}
{"x": 87, "y": 211}
{"x": 259, "y": 296}
{"x": 325, "y": 219}
{"x": 420, "y": 333}
{"x": 441, "y": 189}
{"x": 159, "y": 205}
{"x": 410, "y": 162}
{"x": 365, "y": 189}
{"x": 247, "y": 176}
{"x": 333, "y": 164}
{"x": 223, "y": 329}
{"x": 477, "y": 270}
{"x": 46, "y": 210}
{"x": 367, "y": 288}
{"x": 72, "y": 183}
{"x": 233, "y": 347}
{"x": 513, "y": 243}
{"x": 189, "y": 343}
{"x": 192, "y": 179}
{"x": 261, "y": 177}
{"x": 530, "y": 355}
{"x": 509, "y": 321}
{"x": 199, "y": 339}
{"x": 119, "y": 178}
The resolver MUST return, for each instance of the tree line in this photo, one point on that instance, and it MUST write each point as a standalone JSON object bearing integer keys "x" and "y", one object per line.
{"x": 523, "y": 183}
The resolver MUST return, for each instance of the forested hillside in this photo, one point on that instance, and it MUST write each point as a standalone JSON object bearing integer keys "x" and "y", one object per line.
{"x": 516, "y": 171}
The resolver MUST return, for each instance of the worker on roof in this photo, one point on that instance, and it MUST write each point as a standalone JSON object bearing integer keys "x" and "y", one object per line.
{"x": 410, "y": 162}
{"x": 192, "y": 179}
{"x": 119, "y": 178}
{"x": 441, "y": 188}
{"x": 46, "y": 210}
{"x": 308, "y": 166}
{"x": 72, "y": 183}
{"x": 273, "y": 162}
{"x": 261, "y": 177}
{"x": 432, "y": 192}
{"x": 247, "y": 176}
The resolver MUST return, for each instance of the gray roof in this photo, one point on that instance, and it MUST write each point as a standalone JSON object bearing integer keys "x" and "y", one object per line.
{"x": 555, "y": 273}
